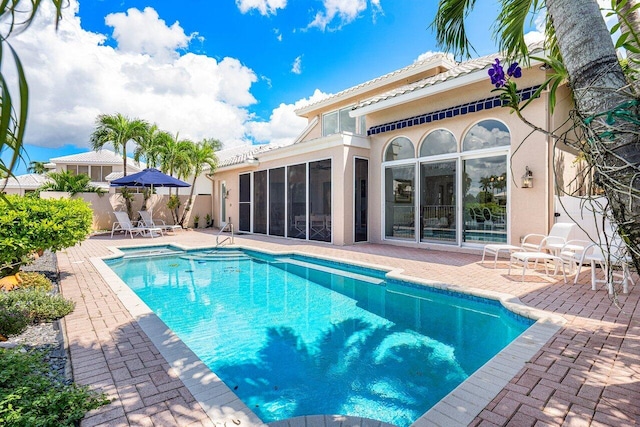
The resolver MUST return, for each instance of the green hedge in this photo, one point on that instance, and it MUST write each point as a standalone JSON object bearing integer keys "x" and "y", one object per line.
{"x": 28, "y": 225}
{"x": 29, "y": 396}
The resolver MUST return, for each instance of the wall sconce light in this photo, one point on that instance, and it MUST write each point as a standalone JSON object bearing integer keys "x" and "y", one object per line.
{"x": 527, "y": 178}
{"x": 226, "y": 194}
{"x": 253, "y": 161}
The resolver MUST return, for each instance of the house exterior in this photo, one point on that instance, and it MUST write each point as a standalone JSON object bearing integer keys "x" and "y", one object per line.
{"x": 23, "y": 184}
{"x": 102, "y": 166}
{"x": 424, "y": 156}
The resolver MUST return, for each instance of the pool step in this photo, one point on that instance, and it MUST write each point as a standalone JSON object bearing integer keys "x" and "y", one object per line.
{"x": 150, "y": 253}
{"x": 218, "y": 256}
{"x": 334, "y": 271}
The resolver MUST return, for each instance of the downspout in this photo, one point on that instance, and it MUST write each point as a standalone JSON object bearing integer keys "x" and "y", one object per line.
{"x": 551, "y": 176}
{"x": 213, "y": 193}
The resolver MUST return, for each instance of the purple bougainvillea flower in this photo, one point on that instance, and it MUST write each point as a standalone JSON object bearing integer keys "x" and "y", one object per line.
{"x": 496, "y": 72}
{"x": 514, "y": 70}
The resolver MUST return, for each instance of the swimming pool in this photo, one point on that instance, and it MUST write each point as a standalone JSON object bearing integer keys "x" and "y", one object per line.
{"x": 294, "y": 335}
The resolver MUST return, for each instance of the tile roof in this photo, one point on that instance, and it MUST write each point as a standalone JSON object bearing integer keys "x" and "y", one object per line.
{"x": 414, "y": 68}
{"x": 30, "y": 181}
{"x": 462, "y": 69}
{"x": 239, "y": 154}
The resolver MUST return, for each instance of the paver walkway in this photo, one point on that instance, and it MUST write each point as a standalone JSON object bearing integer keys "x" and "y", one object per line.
{"x": 588, "y": 374}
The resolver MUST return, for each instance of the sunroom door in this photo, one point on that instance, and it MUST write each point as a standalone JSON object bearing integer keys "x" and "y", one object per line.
{"x": 437, "y": 201}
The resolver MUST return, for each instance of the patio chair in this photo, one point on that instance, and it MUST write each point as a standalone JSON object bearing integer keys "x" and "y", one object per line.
{"x": 552, "y": 242}
{"x": 148, "y": 221}
{"x": 526, "y": 257}
{"x": 300, "y": 225}
{"x": 573, "y": 253}
{"x": 317, "y": 226}
{"x": 124, "y": 223}
{"x": 613, "y": 259}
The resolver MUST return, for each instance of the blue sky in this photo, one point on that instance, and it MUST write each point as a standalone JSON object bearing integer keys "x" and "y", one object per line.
{"x": 232, "y": 70}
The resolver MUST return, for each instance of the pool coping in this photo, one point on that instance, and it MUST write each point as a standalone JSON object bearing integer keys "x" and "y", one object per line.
{"x": 459, "y": 407}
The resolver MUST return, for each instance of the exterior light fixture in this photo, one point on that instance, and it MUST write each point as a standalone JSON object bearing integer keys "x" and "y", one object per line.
{"x": 252, "y": 160}
{"x": 527, "y": 178}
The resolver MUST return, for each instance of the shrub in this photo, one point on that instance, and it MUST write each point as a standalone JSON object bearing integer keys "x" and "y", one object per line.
{"x": 29, "y": 396}
{"x": 32, "y": 280}
{"x": 13, "y": 321}
{"x": 39, "y": 305}
{"x": 28, "y": 225}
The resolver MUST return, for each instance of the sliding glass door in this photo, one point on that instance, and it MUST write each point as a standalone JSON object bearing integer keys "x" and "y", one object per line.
{"x": 437, "y": 201}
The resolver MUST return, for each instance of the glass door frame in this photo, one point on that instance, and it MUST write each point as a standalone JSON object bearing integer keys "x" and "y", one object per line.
{"x": 355, "y": 190}
{"x": 479, "y": 154}
{"x": 458, "y": 158}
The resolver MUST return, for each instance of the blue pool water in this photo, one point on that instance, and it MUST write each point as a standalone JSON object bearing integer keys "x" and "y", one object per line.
{"x": 296, "y": 336}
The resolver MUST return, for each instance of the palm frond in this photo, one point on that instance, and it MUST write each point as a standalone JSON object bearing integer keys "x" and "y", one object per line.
{"x": 449, "y": 24}
{"x": 509, "y": 27}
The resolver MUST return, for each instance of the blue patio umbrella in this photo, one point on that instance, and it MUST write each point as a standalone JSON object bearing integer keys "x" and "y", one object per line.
{"x": 149, "y": 177}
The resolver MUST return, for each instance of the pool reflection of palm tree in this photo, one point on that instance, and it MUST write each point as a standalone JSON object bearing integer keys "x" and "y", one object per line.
{"x": 352, "y": 364}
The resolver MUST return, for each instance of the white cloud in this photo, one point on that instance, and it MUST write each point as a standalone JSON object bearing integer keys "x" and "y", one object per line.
{"x": 342, "y": 12}
{"x": 296, "y": 67}
{"x": 73, "y": 77}
{"x": 145, "y": 33}
{"x": 283, "y": 125}
{"x": 265, "y": 7}
{"x": 430, "y": 53}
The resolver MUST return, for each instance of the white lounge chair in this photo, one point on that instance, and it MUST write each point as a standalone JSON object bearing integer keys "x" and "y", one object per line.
{"x": 525, "y": 257}
{"x": 612, "y": 257}
{"x": 124, "y": 223}
{"x": 552, "y": 242}
{"x": 148, "y": 221}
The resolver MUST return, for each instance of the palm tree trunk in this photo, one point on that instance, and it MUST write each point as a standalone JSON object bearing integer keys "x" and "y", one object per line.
{"x": 187, "y": 207}
{"x": 599, "y": 87}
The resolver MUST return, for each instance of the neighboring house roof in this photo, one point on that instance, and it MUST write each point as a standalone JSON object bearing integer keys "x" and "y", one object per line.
{"x": 30, "y": 181}
{"x": 113, "y": 175}
{"x": 102, "y": 157}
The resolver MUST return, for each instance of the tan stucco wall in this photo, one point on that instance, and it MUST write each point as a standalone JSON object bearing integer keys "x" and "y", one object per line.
{"x": 104, "y": 206}
{"x": 530, "y": 210}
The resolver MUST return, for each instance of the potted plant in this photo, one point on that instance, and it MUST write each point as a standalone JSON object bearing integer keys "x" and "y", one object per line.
{"x": 196, "y": 219}
{"x": 209, "y": 223}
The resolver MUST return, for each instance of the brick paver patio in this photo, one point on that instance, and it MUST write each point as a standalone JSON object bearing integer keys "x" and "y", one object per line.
{"x": 588, "y": 374}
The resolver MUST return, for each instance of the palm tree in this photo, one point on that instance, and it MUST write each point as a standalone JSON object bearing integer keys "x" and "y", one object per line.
{"x": 150, "y": 146}
{"x": 176, "y": 161}
{"x": 37, "y": 167}
{"x": 118, "y": 130}
{"x": 203, "y": 154}
{"x": 600, "y": 90}
{"x": 71, "y": 183}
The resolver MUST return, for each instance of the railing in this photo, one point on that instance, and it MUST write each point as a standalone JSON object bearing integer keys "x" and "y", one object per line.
{"x": 226, "y": 238}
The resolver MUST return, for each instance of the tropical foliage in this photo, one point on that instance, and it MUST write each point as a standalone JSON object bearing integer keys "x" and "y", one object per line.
{"x": 176, "y": 156}
{"x": 606, "y": 108}
{"x": 31, "y": 396}
{"x": 37, "y": 167}
{"x": 28, "y": 225}
{"x": 202, "y": 154}
{"x": 70, "y": 183}
{"x": 14, "y": 101}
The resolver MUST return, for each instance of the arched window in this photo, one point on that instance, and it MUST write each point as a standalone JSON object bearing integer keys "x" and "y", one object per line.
{"x": 486, "y": 134}
{"x": 400, "y": 148}
{"x": 439, "y": 141}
